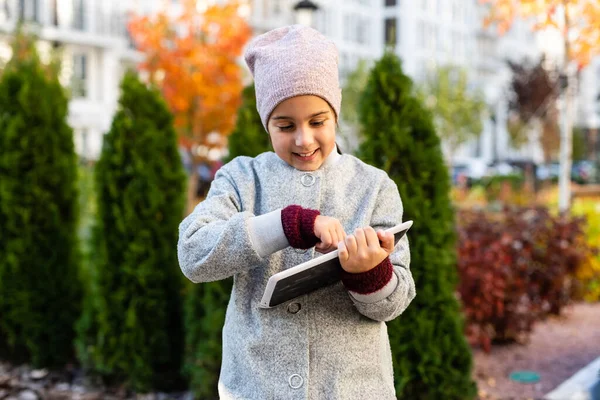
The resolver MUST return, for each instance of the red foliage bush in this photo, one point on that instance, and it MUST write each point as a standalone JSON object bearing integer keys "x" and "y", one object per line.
{"x": 515, "y": 267}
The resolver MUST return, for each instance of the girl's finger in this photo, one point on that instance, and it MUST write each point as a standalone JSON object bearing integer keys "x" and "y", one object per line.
{"x": 361, "y": 240}
{"x": 371, "y": 238}
{"x": 343, "y": 251}
{"x": 334, "y": 237}
{"x": 326, "y": 239}
{"x": 341, "y": 233}
{"x": 350, "y": 244}
{"x": 387, "y": 241}
{"x": 321, "y": 248}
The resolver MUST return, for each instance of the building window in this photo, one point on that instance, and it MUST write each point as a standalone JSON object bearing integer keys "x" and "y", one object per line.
{"x": 462, "y": 45}
{"x": 344, "y": 64}
{"x": 439, "y": 7}
{"x": 421, "y": 75}
{"x": 430, "y": 37}
{"x": 79, "y": 77}
{"x": 455, "y": 11}
{"x": 456, "y": 45}
{"x": 82, "y": 140}
{"x": 390, "y": 3}
{"x": 362, "y": 31}
{"x": 5, "y": 12}
{"x": 439, "y": 39}
{"x": 421, "y": 35}
{"x": 28, "y": 10}
{"x": 276, "y": 7}
{"x": 79, "y": 15}
{"x": 347, "y": 27}
{"x": 265, "y": 9}
{"x": 390, "y": 31}
{"x": 54, "y": 12}
{"x": 320, "y": 20}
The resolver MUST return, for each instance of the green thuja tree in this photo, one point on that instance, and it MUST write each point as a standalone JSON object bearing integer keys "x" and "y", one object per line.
{"x": 249, "y": 137}
{"x": 206, "y": 302}
{"x": 432, "y": 359}
{"x": 132, "y": 329}
{"x": 204, "y": 318}
{"x": 40, "y": 289}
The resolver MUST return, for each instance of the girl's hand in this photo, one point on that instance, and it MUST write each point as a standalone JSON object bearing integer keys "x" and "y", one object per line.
{"x": 330, "y": 232}
{"x": 362, "y": 251}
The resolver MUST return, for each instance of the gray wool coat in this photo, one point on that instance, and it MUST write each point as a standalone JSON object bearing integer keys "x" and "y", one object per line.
{"x": 329, "y": 344}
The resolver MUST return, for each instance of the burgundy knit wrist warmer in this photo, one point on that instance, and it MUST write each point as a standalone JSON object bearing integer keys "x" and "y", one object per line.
{"x": 299, "y": 226}
{"x": 370, "y": 281}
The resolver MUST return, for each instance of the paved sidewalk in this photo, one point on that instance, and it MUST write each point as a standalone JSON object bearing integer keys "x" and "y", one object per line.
{"x": 559, "y": 347}
{"x": 580, "y": 385}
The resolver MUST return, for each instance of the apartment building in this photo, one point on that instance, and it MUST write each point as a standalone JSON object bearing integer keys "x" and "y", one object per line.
{"x": 426, "y": 33}
{"x": 588, "y": 115}
{"x": 493, "y": 77}
{"x": 92, "y": 38}
{"x": 356, "y": 26}
{"x": 96, "y": 49}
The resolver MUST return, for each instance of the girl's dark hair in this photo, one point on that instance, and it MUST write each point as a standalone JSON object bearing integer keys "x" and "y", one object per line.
{"x": 339, "y": 149}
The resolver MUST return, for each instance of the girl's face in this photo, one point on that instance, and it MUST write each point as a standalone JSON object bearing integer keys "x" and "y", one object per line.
{"x": 302, "y": 131}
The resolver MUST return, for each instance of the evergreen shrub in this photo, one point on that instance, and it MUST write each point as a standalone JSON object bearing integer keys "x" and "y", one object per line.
{"x": 40, "y": 289}
{"x": 131, "y": 332}
{"x": 432, "y": 359}
{"x": 249, "y": 137}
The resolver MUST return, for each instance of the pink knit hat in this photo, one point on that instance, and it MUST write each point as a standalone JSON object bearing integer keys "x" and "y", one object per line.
{"x": 292, "y": 61}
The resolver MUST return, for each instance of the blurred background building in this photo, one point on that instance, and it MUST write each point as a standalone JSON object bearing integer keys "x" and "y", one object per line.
{"x": 92, "y": 38}
{"x": 96, "y": 50}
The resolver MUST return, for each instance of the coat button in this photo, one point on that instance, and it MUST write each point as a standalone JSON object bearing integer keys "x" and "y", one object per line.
{"x": 293, "y": 308}
{"x": 308, "y": 179}
{"x": 296, "y": 381}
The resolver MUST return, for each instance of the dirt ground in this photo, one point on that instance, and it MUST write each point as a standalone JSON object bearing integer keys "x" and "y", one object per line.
{"x": 558, "y": 348}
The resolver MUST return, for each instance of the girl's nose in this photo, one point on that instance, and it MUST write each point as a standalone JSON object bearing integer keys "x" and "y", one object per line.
{"x": 304, "y": 137}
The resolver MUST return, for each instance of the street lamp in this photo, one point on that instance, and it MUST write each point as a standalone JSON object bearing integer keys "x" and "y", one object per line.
{"x": 304, "y": 12}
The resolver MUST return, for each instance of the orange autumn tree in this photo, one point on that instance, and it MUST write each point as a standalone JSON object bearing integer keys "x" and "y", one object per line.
{"x": 193, "y": 57}
{"x": 578, "y": 22}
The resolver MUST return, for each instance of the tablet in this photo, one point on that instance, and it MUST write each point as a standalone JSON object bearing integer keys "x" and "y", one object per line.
{"x": 311, "y": 275}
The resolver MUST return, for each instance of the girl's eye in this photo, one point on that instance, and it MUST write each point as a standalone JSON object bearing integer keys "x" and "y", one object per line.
{"x": 317, "y": 123}
{"x": 286, "y": 128}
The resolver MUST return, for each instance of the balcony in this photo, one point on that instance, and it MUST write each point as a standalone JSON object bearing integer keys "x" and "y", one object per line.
{"x": 80, "y": 22}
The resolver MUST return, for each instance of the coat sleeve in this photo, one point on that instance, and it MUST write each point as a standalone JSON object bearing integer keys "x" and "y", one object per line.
{"x": 395, "y": 297}
{"x": 214, "y": 240}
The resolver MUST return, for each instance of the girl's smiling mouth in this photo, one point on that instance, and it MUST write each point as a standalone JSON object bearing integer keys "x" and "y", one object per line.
{"x": 306, "y": 156}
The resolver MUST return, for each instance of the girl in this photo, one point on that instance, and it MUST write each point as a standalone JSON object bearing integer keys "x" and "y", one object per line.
{"x": 265, "y": 214}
